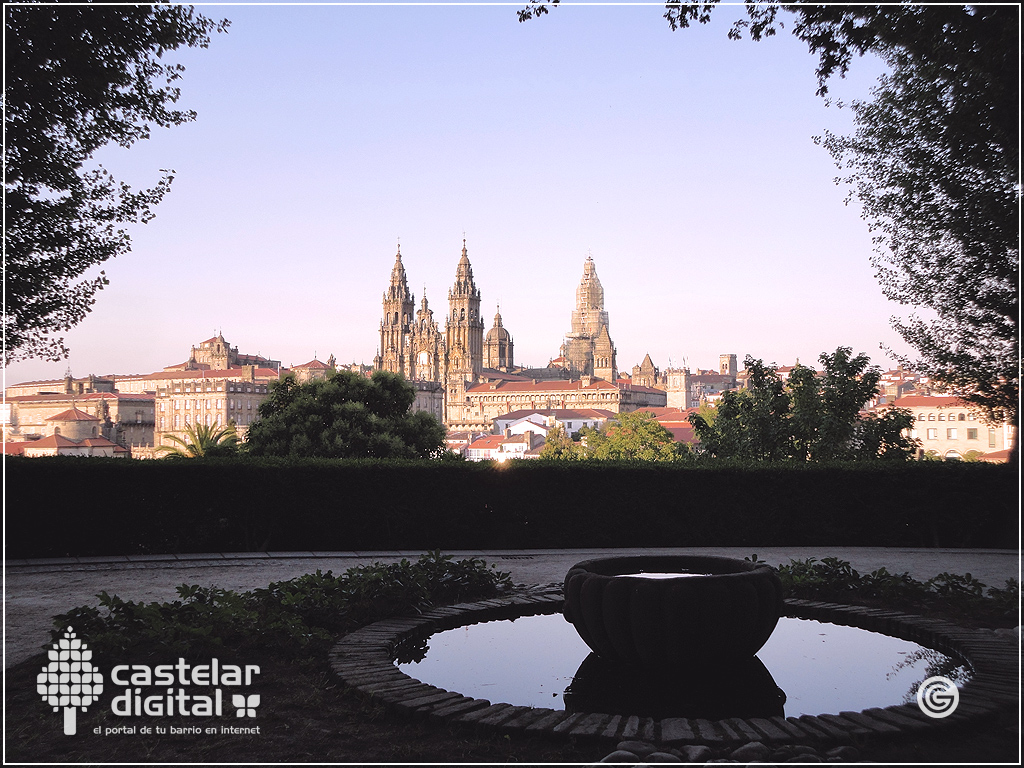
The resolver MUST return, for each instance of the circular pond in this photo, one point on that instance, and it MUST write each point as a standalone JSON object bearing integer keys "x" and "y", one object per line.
{"x": 806, "y": 667}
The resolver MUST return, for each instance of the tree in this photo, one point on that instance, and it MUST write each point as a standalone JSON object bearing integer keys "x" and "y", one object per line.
{"x": 751, "y": 423}
{"x": 809, "y": 417}
{"x": 560, "y": 447}
{"x": 937, "y": 188}
{"x": 345, "y": 416}
{"x": 76, "y": 79}
{"x": 826, "y": 409}
{"x": 632, "y": 436}
{"x": 202, "y": 441}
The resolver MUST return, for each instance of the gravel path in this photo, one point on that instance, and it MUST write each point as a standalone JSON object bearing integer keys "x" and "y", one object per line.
{"x": 35, "y": 591}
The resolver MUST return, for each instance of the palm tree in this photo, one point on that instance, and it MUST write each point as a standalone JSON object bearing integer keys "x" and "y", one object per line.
{"x": 202, "y": 440}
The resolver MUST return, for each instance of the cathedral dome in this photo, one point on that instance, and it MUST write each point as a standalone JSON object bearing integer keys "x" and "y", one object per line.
{"x": 498, "y": 332}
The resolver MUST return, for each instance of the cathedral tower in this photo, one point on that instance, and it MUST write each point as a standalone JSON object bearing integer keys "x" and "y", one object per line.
{"x": 464, "y": 336}
{"x": 588, "y": 347}
{"x": 498, "y": 346}
{"x": 395, "y": 353}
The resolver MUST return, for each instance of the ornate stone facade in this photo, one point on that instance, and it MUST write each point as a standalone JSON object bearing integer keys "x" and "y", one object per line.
{"x": 415, "y": 347}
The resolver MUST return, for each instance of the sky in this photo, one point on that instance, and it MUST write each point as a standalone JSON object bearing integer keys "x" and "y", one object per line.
{"x": 683, "y": 162}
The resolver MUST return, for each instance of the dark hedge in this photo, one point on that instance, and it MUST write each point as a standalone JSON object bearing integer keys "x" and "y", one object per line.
{"x": 58, "y": 507}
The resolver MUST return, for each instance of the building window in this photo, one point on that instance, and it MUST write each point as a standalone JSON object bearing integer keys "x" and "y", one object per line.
{"x": 951, "y": 434}
{"x": 931, "y": 417}
{"x": 162, "y": 407}
{"x": 942, "y": 417}
{"x": 177, "y": 420}
{"x": 933, "y": 434}
{"x": 972, "y": 434}
{"x": 962, "y": 417}
{"x": 161, "y": 422}
{"x": 991, "y": 438}
{"x": 921, "y": 417}
{"x": 187, "y": 403}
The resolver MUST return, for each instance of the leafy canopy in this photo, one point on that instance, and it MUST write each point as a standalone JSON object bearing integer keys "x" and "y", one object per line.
{"x": 346, "y": 416}
{"x": 940, "y": 191}
{"x": 77, "y": 78}
{"x": 808, "y": 417}
{"x": 632, "y": 436}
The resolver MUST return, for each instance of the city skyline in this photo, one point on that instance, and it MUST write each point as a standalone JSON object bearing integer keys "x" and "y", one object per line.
{"x": 683, "y": 162}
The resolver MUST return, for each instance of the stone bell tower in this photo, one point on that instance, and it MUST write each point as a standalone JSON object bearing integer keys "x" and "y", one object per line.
{"x": 395, "y": 353}
{"x": 464, "y": 338}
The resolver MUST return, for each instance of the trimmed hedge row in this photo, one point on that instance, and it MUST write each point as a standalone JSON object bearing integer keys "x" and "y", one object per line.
{"x": 59, "y": 507}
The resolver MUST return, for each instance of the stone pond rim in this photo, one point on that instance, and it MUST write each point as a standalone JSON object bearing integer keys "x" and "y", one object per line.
{"x": 725, "y": 610}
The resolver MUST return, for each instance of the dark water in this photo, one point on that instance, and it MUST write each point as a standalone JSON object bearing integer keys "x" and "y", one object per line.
{"x": 821, "y": 668}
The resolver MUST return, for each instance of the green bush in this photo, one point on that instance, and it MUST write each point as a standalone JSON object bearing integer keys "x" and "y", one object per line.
{"x": 300, "y": 615}
{"x": 248, "y": 504}
{"x": 832, "y": 579}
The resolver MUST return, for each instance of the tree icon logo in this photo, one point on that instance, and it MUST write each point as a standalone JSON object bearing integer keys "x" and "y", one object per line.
{"x": 69, "y": 680}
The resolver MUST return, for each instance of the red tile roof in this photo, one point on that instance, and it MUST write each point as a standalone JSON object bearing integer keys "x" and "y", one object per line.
{"x": 58, "y": 396}
{"x": 998, "y": 457}
{"x": 627, "y": 384}
{"x": 313, "y": 364}
{"x": 220, "y": 373}
{"x": 52, "y": 441}
{"x": 917, "y": 401}
{"x": 16, "y": 449}
{"x": 562, "y": 414}
{"x": 72, "y": 414}
{"x": 487, "y": 441}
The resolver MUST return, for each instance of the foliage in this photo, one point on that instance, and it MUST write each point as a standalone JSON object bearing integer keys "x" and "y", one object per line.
{"x": 76, "y": 79}
{"x": 344, "y": 416}
{"x": 287, "y": 616}
{"x": 558, "y": 446}
{"x": 808, "y": 417}
{"x": 835, "y": 579}
{"x": 632, "y": 436}
{"x": 202, "y": 441}
{"x": 941, "y": 196}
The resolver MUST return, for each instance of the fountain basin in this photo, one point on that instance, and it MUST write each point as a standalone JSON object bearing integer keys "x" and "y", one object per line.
{"x": 718, "y": 610}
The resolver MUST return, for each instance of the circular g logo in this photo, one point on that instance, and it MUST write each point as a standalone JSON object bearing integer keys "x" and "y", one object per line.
{"x": 938, "y": 697}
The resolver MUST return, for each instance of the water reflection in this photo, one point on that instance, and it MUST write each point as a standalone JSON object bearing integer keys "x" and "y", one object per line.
{"x": 821, "y": 667}
{"x": 741, "y": 689}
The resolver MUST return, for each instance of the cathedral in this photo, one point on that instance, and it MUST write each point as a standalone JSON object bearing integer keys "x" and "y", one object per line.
{"x": 445, "y": 365}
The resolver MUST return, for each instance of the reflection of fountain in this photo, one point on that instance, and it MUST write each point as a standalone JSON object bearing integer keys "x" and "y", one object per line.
{"x": 674, "y": 636}
{"x": 743, "y": 688}
{"x": 724, "y": 610}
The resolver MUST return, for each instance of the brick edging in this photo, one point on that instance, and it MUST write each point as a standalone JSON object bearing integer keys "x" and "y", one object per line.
{"x": 363, "y": 660}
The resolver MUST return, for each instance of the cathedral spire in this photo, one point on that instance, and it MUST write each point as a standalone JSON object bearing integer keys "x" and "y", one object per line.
{"x": 399, "y": 286}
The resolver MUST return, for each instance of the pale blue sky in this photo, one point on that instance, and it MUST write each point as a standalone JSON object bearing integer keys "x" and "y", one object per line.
{"x": 682, "y": 161}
